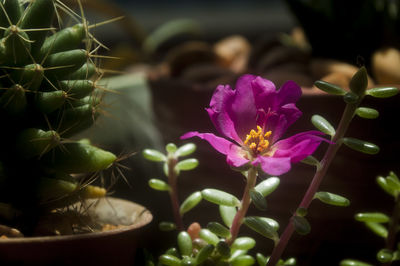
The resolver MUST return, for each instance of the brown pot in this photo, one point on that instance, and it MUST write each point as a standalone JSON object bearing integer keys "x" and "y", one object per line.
{"x": 113, "y": 247}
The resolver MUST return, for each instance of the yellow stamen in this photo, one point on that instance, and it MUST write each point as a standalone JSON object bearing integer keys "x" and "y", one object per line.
{"x": 257, "y": 141}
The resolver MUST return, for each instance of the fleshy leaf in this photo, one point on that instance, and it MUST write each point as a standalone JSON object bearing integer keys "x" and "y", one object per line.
{"x": 223, "y": 249}
{"x": 359, "y": 82}
{"x": 219, "y": 229}
{"x": 376, "y": 217}
{"x": 268, "y": 186}
{"x": 242, "y": 260}
{"x": 185, "y": 150}
{"x": 301, "y": 225}
{"x": 171, "y": 148}
{"x": 166, "y": 226}
{"x": 158, "y": 184}
{"x": 311, "y": 160}
{"x": 351, "y": 262}
{"x": 258, "y": 200}
{"x": 385, "y": 92}
{"x": 243, "y": 243}
{"x": 227, "y": 214}
{"x": 384, "y": 255}
{"x": 220, "y": 197}
{"x": 329, "y": 87}
{"x": 323, "y": 125}
{"x": 185, "y": 243}
{"x": 190, "y": 202}
{"x": 154, "y": 155}
{"x": 361, "y": 146}
{"x": 209, "y": 236}
{"x": 378, "y": 229}
{"x": 262, "y": 227}
{"x": 204, "y": 253}
{"x": 382, "y": 182}
{"x": 170, "y": 260}
{"x": 261, "y": 259}
{"x": 367, "y": 113}
{"x": 187, "y": 164}
{"x": 332, "y": 199}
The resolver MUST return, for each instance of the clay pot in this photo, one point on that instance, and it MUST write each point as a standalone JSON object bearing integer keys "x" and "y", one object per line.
{"x": 113, "y": 247}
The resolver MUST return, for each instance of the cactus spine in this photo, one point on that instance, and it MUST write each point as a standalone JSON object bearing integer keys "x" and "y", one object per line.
{"x": 47, "y": 94}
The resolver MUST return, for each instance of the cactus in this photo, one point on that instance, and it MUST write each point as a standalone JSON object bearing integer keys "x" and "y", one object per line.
{"x": 47, "y": 94}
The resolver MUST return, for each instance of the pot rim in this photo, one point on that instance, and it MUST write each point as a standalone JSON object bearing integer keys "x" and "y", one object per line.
{"x": 145, "y": 218}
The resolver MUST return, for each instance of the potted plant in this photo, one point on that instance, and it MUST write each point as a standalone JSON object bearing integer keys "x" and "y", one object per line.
{"x": 49, "y": 93}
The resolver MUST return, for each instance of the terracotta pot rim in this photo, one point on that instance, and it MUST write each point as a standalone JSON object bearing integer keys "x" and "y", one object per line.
{"x": 144, "y": 219}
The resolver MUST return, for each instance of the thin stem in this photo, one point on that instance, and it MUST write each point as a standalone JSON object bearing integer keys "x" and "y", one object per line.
{"x": 244, "y": 206}
{"x": 173, "y": 192}
{"x": 347, "y": 116}
{"x": 393, "y": 225}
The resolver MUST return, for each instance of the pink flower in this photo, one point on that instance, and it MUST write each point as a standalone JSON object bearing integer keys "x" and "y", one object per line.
{"x": 253, "y": 118}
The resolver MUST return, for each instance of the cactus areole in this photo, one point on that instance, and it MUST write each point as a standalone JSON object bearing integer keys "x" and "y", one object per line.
{"x": 47, "y": 94}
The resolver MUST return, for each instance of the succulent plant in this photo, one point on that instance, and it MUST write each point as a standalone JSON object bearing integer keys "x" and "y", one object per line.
{"x": 48, "y": 93}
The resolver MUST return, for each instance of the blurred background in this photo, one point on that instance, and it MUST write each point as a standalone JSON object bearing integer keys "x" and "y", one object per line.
{"x": 172, "y": 55}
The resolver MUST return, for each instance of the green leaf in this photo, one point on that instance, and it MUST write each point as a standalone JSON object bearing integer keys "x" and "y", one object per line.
{"x": 243, "y": 260}
{"x": 188, "y": 261}
{"x": 172, "y": 251}
{"x": 158, "y": 184}
{"x": 359, "y": 82}
{"x": 290, "y": 261}
{"x": 209, "y": 236}
{"x": 377, "y": 229}
{"x": 361, "y": 146}
{"x": 261, "y": 259}
{"x": 187, "y": 164}
{"x": 332, "y": 199}
{"x": 166, "y": 226}
{"x": 154, "y": 155}
{"x": 219, "y": 229}
{"x": 329, "y": 87}
{"x": 185, "y": 243}
{"x": 262, "y": 227}
{"x": 223, "y": 249}
{"x": 350, "y": 97}
{"x": 351, "y": 262}
{"x": 367, "y": 113}
{"x": 384, "y": 255}
{"x": 268, "y": 186}
{"x": 385, "y": 92}
{"x": 323, "y": 125}
{"x": 311, "y": 160}
{"x": 171, "y": 148}
{"x": 204, "y": 253}
{"x": 258, "y": 200}
{"x": 192, "y": 201}
{"x": 243, "y": 243}
{"x": 301, "y": 225}
{"x": 227, "y": 214}
{"x": 185, "y": 150}
{"x": 375, "y": 217}
{"x": 382, "y": 182}
{"x": 220, "y": 197}
{"x": 170, "y": 260}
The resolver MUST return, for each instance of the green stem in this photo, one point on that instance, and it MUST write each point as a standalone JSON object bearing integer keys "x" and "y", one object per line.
{"x": 244, "y": 206}
{"x": 173, "y": 192}
{"x": 393, "y": 225}
{"x": 347, "y": 116}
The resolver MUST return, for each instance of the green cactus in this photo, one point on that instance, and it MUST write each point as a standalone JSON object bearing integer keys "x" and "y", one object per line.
{"x": 47, "y": 94}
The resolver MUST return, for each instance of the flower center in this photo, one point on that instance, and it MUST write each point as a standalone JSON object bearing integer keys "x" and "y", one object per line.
{"x": 257, "y": 141}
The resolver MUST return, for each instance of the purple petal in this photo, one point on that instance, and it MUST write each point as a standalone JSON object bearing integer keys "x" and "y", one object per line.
{"x": 273, "y": 165}
{"x": 243, "y": 110}
{"x": 290, "y": 92}
{"x": 264, "y": 92}
{"x": 280, "y": 122}
{"x": 218, "y": 112}
{"x": 235, "y": 155}
{"x": 299, "y": 146}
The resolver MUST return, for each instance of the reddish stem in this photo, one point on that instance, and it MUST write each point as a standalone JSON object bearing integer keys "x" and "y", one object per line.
{"x": 173, "y": 192}
{"x": 347, "y": 116}
{"x": 244, "y": 206}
